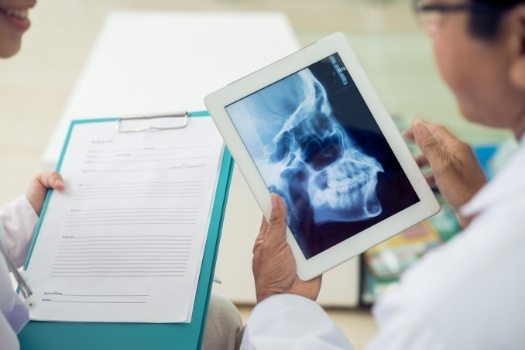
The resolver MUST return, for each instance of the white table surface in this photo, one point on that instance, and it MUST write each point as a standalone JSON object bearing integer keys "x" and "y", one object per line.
{"x": 158, "y": 62}
{"x": 146, "y": 63}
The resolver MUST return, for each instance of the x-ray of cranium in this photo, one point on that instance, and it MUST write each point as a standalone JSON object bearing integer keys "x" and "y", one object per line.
{"x": 310, "y": 157}
{"x": 309, "y": 153}
{"x": 312, "y": 153}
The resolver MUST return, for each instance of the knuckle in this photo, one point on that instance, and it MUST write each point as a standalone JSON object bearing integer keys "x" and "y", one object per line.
{"x": 441, "y": 159}
{"x": 429, "y": 143}
{"x": 40, "y": 178}
{"x": 463, "y": 147}
{"x": 444, "y": 156}
{"x": 276, "y": 220}
{"x": 257, "y": 247}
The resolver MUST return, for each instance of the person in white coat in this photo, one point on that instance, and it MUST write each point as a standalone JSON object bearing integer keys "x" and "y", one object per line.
{"x": 17, "y": 223}
{"x": 18, "y": 220}
{"x": 467, "y": 294}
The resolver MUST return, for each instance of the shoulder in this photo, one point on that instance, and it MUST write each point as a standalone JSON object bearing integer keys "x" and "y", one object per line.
{"x": 460, "y": 289}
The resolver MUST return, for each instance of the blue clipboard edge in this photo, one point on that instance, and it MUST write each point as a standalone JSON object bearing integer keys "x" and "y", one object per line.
{"x": 42, "y": 334}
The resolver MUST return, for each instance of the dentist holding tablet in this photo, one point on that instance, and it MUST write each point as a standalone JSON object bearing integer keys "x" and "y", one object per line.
{"x": 467, "y": 294}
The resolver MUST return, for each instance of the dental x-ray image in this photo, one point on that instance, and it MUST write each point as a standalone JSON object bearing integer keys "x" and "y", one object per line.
{"x": 316, "y": 144}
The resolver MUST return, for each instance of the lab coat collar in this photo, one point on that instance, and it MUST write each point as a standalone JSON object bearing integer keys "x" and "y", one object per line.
{"x": 507, "y": 184}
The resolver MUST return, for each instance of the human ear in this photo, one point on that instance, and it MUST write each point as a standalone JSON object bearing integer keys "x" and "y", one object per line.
{"x": 516, "y": 32}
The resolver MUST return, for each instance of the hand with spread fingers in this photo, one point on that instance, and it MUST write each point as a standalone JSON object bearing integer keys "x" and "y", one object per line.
{"x": 273, "y": 264}
{"x": 36, "y": 193}
{"x": 455, "y": 169}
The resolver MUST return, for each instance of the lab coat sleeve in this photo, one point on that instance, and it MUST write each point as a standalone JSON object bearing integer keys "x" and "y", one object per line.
{"x": 399, "y": 329}
{"x": 19, "y": 221}
{"x": 287, "y": 321}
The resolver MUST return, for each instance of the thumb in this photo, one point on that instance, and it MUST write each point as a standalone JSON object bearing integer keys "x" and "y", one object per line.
{"x": 51, "y": 180}
{"x": 261, "y": 236}
{"x": 277, "y": 223}
{"x": 432, "y": 148}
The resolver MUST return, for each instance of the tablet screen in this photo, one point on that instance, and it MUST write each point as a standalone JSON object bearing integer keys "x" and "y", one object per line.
{"x": 315, "y": 143}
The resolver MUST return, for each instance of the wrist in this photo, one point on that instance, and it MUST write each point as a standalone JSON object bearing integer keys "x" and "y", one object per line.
{"x": 263, "y": 294}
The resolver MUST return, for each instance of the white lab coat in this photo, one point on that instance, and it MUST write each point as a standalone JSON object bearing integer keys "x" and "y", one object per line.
{"x": 18, "y": 220}
{"x": 467, "y": 294}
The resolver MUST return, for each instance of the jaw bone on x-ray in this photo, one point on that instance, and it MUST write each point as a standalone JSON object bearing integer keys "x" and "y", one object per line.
{"x": 313, "y": 153}
{"x": 304, "y": 154}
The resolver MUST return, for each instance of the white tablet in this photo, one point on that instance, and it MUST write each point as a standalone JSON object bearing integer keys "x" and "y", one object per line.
{"x": 311, "y": 128}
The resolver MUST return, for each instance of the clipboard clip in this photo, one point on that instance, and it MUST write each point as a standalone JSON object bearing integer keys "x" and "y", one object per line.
{"x": 153, "y": 123}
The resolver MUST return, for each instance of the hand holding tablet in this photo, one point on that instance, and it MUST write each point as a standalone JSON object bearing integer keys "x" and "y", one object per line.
{"x": 311, "y": 128}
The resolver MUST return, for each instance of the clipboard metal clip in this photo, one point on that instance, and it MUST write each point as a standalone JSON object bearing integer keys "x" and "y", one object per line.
{"x": 153, "y": 123}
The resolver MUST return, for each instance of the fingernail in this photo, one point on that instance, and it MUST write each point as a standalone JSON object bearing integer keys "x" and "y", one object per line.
{"x": 420, "y": 129}
{"x": 274, "y": 200}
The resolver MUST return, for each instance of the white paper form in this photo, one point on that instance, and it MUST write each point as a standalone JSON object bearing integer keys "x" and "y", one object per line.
{"x": 124, "y": 242}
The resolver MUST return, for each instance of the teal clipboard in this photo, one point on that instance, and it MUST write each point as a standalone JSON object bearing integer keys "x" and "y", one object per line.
{"x": 87, "y": 335}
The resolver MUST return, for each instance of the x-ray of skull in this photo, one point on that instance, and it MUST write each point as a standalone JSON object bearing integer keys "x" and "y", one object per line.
{"x": 313, "y": 153}
{"x": 314, "y": 156}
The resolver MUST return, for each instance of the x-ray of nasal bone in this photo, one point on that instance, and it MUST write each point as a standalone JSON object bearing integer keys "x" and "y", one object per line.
{"x": 307, "y": 157}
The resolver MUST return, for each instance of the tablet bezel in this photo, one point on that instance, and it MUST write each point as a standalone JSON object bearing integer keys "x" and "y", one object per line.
{"x": 217, "y": 102}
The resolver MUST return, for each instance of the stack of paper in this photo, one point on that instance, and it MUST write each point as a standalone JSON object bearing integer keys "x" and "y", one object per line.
{"x": 124, "y": 241}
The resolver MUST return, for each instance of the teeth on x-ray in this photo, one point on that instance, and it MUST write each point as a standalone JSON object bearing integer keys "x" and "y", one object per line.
{"x": 312, "y": 150}
{"x": 304, "y": 134}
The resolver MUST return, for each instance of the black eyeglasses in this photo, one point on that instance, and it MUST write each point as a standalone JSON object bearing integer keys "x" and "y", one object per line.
{"x": 425, "y": 6}
{"x": 428, "y": 13}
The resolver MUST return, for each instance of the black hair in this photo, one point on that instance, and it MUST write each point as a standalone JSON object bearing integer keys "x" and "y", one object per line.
{"x": 487, "y": 15}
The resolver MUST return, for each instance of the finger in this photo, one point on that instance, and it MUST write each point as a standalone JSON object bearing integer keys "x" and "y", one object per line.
{"x": 446, "y": 138}
{"x": 311, "y": 288}
{"x": 262, "y": 234}
{"x": 442, "y": 133}
{"x": 264, "y": 225}
{"x": 453, "y": 144}
{"x": 276, "y": 233}
{"x": 51, "y": 180}
{"x": 421, "y": 161}
{"x": 58, "y": 182}
{"x": 408, "y": 134}
{"x": 432, "y": 148}
{"x": 431, "y": 180}
{"x": 318, "y": 280}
